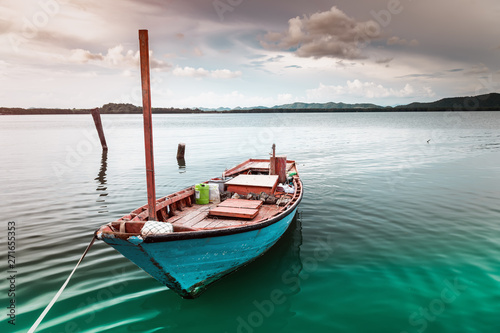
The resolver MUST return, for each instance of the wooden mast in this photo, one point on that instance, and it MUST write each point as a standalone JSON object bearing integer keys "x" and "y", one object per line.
{"x": 148, "y": 129}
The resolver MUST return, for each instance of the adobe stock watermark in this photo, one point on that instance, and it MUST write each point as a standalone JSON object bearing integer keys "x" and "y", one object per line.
{"x": 76, "y": 155}
{"x": 291, "y": 280}
{"x": 31, "y": 26}
{"x": 93, "y": 303}
{"x": 224, "y": 6}
{"x": 11, "y": 273}
{"x": 382, "y": 19}
{"x": 134, "y": 97}
{"x": 261, "y": 142}
{"x": 460, "y": 114}
{"x": 450, "y": 293}
{"x": 384, "y": 16}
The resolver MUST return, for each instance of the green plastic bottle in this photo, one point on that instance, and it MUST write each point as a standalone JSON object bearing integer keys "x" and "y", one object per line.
{"x": 202, "y": 194}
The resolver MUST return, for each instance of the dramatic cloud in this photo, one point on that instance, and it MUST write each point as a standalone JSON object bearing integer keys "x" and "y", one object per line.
{"x": 448, "y": 47}
{"x": 324, "y": 34}
{"x": 201, "y": 73}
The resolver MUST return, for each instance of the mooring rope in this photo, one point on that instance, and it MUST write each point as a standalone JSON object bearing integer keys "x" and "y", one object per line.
{"x": 39, "y": 320}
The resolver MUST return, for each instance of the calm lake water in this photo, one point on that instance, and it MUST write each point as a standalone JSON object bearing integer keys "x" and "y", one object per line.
{"x": 396, "y": 234}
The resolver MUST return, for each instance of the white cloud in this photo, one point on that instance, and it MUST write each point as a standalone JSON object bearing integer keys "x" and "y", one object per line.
{"x": 357, "y": 88}
{"x": 231, "y": 99}
{"x": 116, "y": 57}
{"x": 201, "y": 72}
{"x": 225, "y": 74}
{"x": 285, "y": 99}
{"x": 190, "y": 72}
{"x": 83, "y": 56}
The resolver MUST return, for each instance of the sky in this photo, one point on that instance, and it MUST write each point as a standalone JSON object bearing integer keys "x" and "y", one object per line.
{"x": 230, "y": 53}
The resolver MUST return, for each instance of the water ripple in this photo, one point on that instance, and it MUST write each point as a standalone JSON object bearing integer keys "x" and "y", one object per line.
{"x": 389, "y": 221}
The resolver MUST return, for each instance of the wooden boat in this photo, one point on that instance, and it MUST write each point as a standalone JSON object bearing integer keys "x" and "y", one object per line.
{"x": 204, "y": 242}
{"x": 187, "y": 243}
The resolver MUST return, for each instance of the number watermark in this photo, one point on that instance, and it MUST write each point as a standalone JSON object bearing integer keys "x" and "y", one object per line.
{"x": 11, "y": 272}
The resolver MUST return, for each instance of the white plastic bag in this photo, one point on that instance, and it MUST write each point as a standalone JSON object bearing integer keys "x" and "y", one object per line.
{"x": 286, "y": 188}
{"x": 213, "y": 193}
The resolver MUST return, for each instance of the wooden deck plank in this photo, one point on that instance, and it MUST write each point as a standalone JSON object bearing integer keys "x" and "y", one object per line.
{"x": 190, "y": 215}
{"x": 197, "y": 217}
{"x": 245, "y": 213}
{"x": 266, "y": 211}
{"x": 241, "y": 203}
{"x": 205, "y": 223}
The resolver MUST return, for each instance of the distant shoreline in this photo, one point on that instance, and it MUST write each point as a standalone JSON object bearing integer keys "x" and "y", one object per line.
{"x": 28, "y": 112}
{"x": 487, "y": 102}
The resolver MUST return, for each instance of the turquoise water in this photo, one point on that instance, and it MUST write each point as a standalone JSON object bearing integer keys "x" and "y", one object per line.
{"x": 395, "y": 234}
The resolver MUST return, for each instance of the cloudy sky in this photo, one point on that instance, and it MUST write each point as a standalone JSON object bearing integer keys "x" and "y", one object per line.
{"x": 212, "y": 53}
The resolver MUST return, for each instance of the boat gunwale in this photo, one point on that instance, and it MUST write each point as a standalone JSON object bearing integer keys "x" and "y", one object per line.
{"x": 197, "y": 234}
{"x": 207, "y": 233}
{"x": 224, "y": 231}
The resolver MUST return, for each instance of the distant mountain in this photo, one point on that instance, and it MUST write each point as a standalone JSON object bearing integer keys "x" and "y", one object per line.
{"x": 470, "y": 103}
{"x": 487, "y": 102}
{"x": 251, "y": 108}
{"x": 327, "y": 106}
{"x": 215, "y": 109}
{"x": 301, "y": 106}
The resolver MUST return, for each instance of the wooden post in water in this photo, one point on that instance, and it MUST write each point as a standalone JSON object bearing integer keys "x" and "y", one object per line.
{"x": 98, "y": 125}
{"x": 181, "y": 148}
{"x": 148, "y": 128}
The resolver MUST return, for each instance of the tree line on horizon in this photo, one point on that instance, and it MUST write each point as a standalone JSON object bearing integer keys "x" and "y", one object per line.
{"x": 487, "y": 102}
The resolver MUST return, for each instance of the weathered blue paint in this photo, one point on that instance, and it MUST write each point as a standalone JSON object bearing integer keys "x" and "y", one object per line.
{"x": 188, "y": 266}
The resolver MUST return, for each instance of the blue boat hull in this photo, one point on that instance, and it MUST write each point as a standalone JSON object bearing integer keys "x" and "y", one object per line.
{"x": 188, "y": 266}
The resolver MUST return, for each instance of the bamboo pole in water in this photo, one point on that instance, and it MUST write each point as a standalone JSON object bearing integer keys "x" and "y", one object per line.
{"x": 148, "y": 129}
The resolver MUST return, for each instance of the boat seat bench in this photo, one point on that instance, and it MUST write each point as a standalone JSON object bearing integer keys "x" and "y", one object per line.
{"x": 239, "y": 208}
{"x": 245, "y": 184}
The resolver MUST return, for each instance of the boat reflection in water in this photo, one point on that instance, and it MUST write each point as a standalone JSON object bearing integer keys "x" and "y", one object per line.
{"x": 257, "y": 295}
